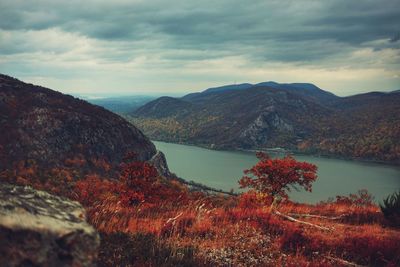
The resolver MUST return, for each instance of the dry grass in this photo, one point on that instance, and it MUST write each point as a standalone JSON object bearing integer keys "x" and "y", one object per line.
{"x": 183, "y": 228}
{"x": 234, "y": 235}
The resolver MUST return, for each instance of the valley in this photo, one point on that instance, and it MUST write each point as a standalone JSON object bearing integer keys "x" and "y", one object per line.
{"x": 200, "y": 133}
{"x": 60, "y": 151}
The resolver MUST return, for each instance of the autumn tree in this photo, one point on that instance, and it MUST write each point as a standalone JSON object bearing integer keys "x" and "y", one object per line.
{"x": 274, "y": 178}
{"x": 138, "y": 183}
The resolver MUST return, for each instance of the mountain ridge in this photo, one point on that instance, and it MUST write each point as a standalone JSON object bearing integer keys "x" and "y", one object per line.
{"x": 299, "y": 117}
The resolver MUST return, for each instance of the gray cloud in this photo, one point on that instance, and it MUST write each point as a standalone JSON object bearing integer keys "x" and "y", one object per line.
{"x": 181, "y": 32}
{"x": 205, "y": 23}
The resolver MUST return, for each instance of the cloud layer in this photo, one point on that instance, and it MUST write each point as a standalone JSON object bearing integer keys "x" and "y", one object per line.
{"x": 179, "y": 46}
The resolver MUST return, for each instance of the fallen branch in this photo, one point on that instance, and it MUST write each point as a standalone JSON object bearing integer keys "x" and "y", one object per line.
{"x": 302, "y": 222}
{"x": 317, "y": 216}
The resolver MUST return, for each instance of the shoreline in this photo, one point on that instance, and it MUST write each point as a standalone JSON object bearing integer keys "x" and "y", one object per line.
{"x": 321, "y": 193}
{"x": 285, "y": 151}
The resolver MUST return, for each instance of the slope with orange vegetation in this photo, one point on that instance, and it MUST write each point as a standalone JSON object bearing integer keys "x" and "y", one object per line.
{"x": 147, "y": 220}
{"x": 222, "y": 231}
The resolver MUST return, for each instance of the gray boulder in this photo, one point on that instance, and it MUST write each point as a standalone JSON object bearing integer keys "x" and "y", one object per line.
{"x": 40, "y": 229}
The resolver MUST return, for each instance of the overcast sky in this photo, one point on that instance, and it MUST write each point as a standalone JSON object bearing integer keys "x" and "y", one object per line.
{"x": 130, "y": 47}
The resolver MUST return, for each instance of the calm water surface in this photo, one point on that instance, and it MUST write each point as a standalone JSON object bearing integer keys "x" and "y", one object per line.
{"x": 222, "y": 169}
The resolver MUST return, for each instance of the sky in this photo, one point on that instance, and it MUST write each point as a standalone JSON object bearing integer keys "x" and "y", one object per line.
{"x": 171, "y": 47}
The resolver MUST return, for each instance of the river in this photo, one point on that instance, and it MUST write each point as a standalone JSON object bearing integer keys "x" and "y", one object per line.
{"x": 223, "y": 169}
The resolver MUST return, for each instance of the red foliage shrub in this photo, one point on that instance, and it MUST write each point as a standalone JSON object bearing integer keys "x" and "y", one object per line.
{"x": 138, "y": 184}
{"x": 138, "y": 174}
{"x": 361, "y": 199}
{"x": 93, "y": 189}
{"x": 142, "y": 178}
{"x": 274, "y": 177}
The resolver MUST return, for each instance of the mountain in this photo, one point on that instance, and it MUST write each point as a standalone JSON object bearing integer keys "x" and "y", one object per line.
{"x": 42, "y": 127}
{"x": 224, "y": 88}
{"x": 300, "y": 117}
{"x": 303, "y": 89}
{"x": 164, "y": 106}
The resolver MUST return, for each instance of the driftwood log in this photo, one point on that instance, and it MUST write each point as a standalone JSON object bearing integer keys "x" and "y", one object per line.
{"x": 301, "y": 222}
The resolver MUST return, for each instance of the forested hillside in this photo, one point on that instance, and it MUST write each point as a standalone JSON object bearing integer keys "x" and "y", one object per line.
{"x": 298, "y": 117}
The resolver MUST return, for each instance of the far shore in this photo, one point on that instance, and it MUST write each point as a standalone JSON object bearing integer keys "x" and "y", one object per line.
{"x": 283, "y": 151}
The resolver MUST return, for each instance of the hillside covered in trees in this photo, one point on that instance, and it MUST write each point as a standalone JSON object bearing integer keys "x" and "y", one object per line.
{"x": 44, "y": 129}
{"x": 298, "y": 117}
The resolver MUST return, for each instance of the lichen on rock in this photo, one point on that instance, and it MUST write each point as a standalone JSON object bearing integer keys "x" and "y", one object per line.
{"x": 40, "y": 229}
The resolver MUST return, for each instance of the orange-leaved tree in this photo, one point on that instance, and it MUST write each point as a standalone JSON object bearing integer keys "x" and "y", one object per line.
{"x": 274, "y": 178}
{"x": 138, "y": 183}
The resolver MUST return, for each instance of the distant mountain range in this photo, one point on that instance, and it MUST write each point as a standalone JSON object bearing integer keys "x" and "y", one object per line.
{"x": 122, "y": 104}
{"x": 299, "y": 117}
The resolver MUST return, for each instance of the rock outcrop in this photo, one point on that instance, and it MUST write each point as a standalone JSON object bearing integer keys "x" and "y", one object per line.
{"x": 40, "y": 229}
{"x": 267, "y": 125}
{"x": 160, "y": 163}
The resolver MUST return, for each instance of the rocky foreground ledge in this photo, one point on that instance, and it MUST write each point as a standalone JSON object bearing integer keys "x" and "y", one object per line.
{"x": 40, "y": 229}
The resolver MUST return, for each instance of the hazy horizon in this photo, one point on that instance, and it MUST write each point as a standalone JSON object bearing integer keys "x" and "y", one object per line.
{"x": 98, "y": 96}
{"x": 145, "y": 47}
